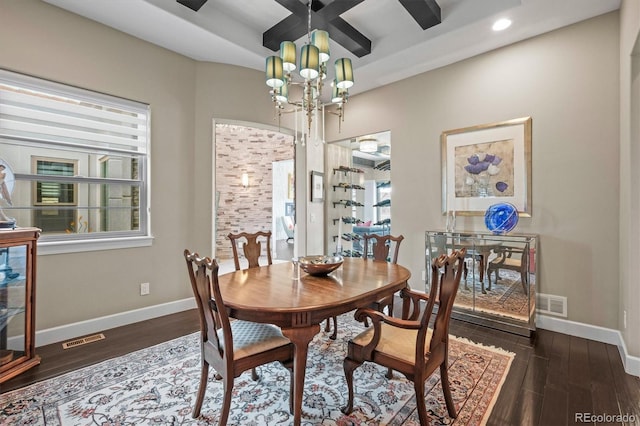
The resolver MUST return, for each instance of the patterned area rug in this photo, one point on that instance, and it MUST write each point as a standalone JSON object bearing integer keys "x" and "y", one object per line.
{"x": 158, "y": 385}
{"x": 506, "y": 297}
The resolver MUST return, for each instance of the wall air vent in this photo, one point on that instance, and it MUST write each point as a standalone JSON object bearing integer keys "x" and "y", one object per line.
{"x": 552, "y": 304}
{"x": 82, "y": 341}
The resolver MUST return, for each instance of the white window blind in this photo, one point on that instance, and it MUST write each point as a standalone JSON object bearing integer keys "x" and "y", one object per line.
{"x": 106, "y": 137}
{"x": 38, "y": 110}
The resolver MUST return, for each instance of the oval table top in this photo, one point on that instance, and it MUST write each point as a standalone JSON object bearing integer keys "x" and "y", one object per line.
{"x": 270, "y": 294}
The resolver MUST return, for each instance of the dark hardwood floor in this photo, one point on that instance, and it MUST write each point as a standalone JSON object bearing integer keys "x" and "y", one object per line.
{"x": 552, "y": 378}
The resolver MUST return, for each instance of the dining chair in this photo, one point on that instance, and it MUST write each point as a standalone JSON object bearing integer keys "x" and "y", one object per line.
{"x": 251, "y": 247}
{"x": 409, "y": 345}
{"x": 380, "y": 248}
{"x": 511, "y": 258}
{"x": 230, "y": 347}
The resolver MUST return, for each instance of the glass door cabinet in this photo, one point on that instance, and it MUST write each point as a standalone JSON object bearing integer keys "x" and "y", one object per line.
{"x": 499, "y": 283}
{"x": 17, "y": 301}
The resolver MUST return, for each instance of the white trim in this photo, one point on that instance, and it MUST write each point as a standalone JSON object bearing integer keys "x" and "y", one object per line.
{"x": 82, "y": 328}
{"x": 78, "y": 246}
{"x": 558, "y": 325}
{"x": 592, "y": 332}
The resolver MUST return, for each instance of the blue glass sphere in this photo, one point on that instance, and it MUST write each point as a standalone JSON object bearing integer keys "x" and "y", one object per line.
{"x": 501, "y": 218}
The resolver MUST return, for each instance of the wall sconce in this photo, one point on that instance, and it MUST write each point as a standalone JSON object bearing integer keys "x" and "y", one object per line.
{"x": 245, "y": 180}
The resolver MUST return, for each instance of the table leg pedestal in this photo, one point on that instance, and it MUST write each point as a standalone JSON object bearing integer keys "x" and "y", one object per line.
{"x": 300, "y": 337}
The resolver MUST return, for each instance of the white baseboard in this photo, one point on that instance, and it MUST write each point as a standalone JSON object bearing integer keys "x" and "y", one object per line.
{"x": 82, "y": 328}
{"x": 592, "y": 332}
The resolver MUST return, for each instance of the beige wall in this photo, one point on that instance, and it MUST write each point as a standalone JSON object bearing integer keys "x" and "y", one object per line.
{"x": 229, "y": 93}
{"x": 567, "y": 81}
{"x": 47, "y": 42}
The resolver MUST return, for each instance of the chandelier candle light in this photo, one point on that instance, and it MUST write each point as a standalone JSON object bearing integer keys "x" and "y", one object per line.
{"x": 313, "y": 69}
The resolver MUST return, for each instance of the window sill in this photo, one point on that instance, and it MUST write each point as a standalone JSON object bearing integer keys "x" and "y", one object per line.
{"x": 77, "y": 246}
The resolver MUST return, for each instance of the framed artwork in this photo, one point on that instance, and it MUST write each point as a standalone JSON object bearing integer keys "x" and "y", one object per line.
{"x": 487, "y": 164}
{"x": 289, "y": 209}
{"x": 317, "y": 186}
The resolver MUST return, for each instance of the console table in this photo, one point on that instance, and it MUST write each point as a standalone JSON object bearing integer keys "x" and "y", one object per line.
{"x": 500, "y": 282}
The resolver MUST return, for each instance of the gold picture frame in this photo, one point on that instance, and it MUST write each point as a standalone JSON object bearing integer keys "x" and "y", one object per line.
{"x": 487, "y": 164}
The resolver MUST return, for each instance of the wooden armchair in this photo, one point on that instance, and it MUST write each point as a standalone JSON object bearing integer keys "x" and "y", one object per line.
{"x": 380, "y": 247}
{"x": 229, "y": 347}
{"x": 513, "y": 259}
{"x": 409, "y": 345}
{"x": 252, "y": 247}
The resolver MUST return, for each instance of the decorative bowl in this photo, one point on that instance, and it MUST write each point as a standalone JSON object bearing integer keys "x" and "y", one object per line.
{"x": 501, "y": 218}
{"x": 320, "y": 265}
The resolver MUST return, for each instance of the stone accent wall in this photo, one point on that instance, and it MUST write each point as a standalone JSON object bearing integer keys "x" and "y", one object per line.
{"x": 239, "y": 150}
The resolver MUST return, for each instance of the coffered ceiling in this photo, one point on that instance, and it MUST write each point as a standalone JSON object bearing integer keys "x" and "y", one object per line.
{"x": 233, "y": 31}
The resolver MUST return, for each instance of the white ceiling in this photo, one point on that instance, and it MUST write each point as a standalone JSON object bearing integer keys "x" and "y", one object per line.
{"x": 230, "y": 31}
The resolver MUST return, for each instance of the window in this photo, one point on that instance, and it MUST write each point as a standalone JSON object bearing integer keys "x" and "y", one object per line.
{"x": 54, "y": 195}
{"x": 79, "y": 159}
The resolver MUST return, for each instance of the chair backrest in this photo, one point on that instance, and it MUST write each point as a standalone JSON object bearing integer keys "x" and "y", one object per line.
{"x": 252, "y": 247}
{"x": 203, "y": 274}
{"x": 381, "y": 246}
{"x": 446, "y": 272}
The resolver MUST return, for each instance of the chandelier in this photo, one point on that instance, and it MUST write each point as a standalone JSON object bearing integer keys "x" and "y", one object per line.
{"x": 314, "y": 56}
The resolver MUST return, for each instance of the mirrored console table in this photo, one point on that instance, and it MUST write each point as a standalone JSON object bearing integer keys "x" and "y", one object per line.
{"x": 498, "y": 287}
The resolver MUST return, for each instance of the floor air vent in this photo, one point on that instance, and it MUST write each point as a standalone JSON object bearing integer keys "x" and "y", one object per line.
{"x": 551, "y": 304}
{"x": 82, "y": 341}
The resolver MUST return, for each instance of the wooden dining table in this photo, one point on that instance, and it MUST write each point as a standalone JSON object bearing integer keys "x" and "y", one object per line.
{"x": 270, "y": 294}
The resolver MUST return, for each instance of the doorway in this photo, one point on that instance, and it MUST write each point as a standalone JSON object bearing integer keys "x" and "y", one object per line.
{"x": 246, "y": 184}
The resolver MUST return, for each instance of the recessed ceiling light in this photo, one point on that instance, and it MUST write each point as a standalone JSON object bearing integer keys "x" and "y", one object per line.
{"x": 501, "y": 24}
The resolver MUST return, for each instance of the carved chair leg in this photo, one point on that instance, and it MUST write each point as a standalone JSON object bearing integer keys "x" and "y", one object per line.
{"x": 254, "y": 375}
{"x": 202, "y": 389}
{"x": 226, "y": 402}
{"x": 389, "y": 374}
{"x": 420, "y": 402}
{"x": 390, "y": 305}
{"x": 327, "y": 327}
{"x": 465, "y": 270}
{"x": 349, "y": 366}
{"x": 495, "y": 273}
{"x": 525, "y": 282}
{"x": 446, "y": 390}
{"x": 334, "y": 335}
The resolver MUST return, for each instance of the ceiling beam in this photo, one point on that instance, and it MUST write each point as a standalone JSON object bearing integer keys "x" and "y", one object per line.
{"x": 325, "y": 16}
{"x": 192, "y": 4}
{"x": 425, "y": 12}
